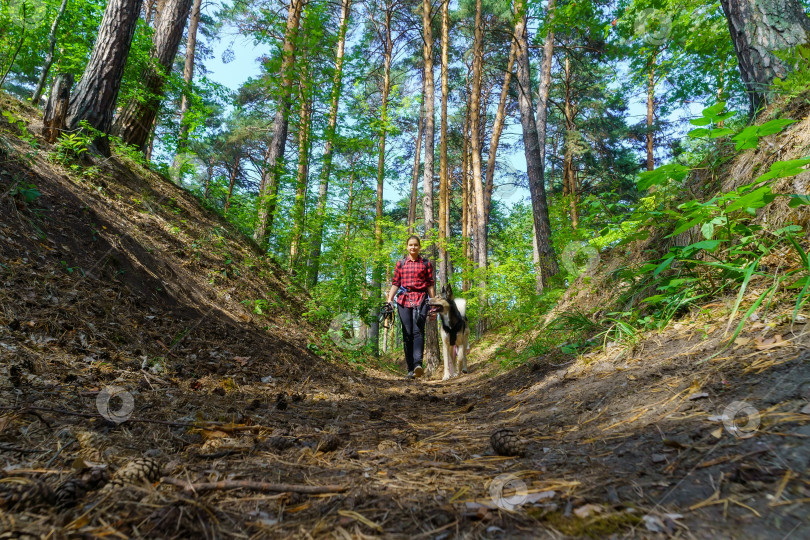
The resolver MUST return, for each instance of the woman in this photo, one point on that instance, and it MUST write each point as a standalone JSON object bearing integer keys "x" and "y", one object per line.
{"x": 412, "y": 285}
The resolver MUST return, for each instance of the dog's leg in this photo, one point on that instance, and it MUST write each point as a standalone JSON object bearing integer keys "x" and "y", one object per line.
{"x": 463, "y": 351}
{"x": 449, "y": 370}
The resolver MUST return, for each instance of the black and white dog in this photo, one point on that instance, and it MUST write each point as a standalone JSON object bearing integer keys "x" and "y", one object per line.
{"x": 454, "y": 331}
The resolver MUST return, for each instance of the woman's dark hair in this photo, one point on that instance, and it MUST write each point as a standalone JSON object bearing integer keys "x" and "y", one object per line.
{"x": 408, "y": 241}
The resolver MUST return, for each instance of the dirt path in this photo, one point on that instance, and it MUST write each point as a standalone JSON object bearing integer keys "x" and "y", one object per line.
{"x": 623, "y": 446}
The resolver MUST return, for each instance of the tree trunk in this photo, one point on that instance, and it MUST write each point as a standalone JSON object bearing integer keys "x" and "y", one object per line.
{"x": 134, "y": 123}
{"x": 759, "y": 27}
{"x": 475, "y": 142}
{"x": 188, "y": 73}
{"x": 497, "y": 128}
{"x": 305, "y": 119}
{"x": 326, "y": 167}
{"x": 651, "y": 113}
{"x": 444, "y": 179}
{"x": 376, "y": 280}
{"x": 569, "y": 182}
{"x": 53, "y": 122}
{"x": 430, "y": 123}
{"x": 465, "y": 198}
{"x": 417, "y": 160}
{"x": 544, "y": 87}
{"x": 46, "y": 68}
{"x": 96, "y": 94}
{"x": 543, "y": 91}
{"x": 268, "y": 187}
{"x": 232, "y": 183}
{"x": 537, "y": 188}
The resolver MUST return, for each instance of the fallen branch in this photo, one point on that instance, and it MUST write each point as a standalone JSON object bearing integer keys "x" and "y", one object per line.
{"x": 249, "y": 484}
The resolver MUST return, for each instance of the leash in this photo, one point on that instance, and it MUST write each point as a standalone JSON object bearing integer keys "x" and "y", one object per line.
{"x": 386, "y": 317}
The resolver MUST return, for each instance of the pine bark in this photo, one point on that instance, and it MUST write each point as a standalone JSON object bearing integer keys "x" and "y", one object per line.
{"x": 430, "y": 121}
{"x": 188, "y": 72}
{"x": 444, "y": 178}
{"x": 46, "y": 67}
{"x": 96, "y": 94}
{"x": 135, "y": 122}
{"x": 548, "y": 262}
{"x": 304, "y": 122}
{"x": 376, "y": 280}
{"x": 497, "y": 128}
{"x": 331, "y": 130}
{"x": 543, "y": 91}
{"x": 651, "y": 113}
{"x": 273, "y": 157}
{"x": 417, "y": 161}
{"x": 570, "y": 113}
{"x": 53, "y": 121}
{"x": 465, "y": 198}
{"x": 758, "y": 28}
{"x": 232, "y": 182}
{"x": 475, "y": 143}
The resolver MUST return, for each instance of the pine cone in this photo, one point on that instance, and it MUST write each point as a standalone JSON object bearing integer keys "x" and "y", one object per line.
{"x": 329, "y": 442}
{"x": 91, "y": 446}
{"x": 280, "y": 443}
{"x": 137, "y": 471}
{"x": 505, "y": 442}
{"x": 15, "y": 375}
{"x": 73, "y": 489}
{"x": 20, "y": 493}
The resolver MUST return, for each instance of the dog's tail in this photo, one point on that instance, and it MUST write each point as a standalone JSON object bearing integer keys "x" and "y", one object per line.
{"x": 461, "y": 304}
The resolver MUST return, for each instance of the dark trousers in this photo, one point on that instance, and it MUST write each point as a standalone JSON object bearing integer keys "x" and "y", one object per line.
{"x": 413, "y": 336}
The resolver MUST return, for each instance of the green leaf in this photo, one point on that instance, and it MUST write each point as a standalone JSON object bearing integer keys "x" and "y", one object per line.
{"x": 714, "y": 110}
{"x": 699, "y": 132}
{"x": 747, "y": 138}
{"x": 708, "y": 245}
{"x": 774, "y": 126}
{"x": 677, "y": 172}
{"x": 717, "y": 133}
{"x": 701, "y": 121}
{"x": 708, "y": 230}
{"x": 755, "y": 199}
{"x": 685, "y": 226}
{"x": 663, "y": 266}
{"x": 798, "y": 200}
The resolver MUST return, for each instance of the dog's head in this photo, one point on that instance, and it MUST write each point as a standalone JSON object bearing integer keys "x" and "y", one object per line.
{"x": 447, "y": 292}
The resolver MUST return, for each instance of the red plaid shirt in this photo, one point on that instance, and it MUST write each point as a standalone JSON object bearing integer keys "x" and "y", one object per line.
{"x": 416, "y": 276}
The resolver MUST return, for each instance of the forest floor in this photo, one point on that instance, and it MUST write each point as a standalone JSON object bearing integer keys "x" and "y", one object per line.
{"x": 121, "y": 281}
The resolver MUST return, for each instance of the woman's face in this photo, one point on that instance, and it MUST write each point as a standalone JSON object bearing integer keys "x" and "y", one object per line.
{"x": 414, "y": 247}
